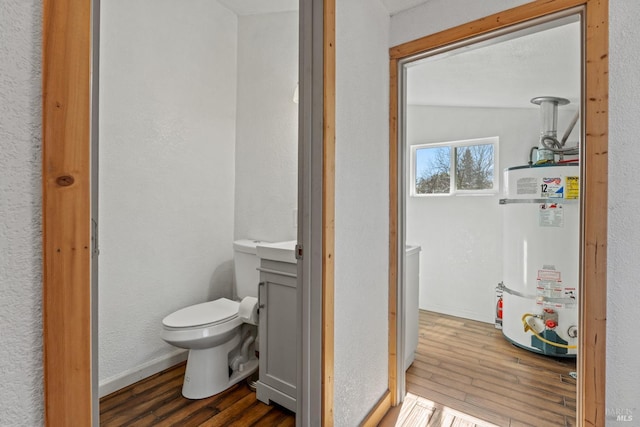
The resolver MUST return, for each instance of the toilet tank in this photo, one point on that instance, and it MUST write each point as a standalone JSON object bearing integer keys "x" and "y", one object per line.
{"x": 246, "y": 265}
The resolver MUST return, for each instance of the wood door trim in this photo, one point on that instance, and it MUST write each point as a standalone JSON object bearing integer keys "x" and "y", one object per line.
{"x": 378, "y": 412}
{"x": 527, "y": 12}
{"x": 393, "y": 231}
{"x": 66, "y": 300}
{"x": 328, "y": 210}
{"x": 592, "y": 342}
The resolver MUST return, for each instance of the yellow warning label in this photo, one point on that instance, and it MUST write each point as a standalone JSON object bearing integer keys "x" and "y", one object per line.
{"x": 573, "y": 187}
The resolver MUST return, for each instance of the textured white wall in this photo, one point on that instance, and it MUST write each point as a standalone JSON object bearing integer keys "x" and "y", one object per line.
{"x": 460, "y": 264}
{"x": 167, "y": 135}
{"x": 267, "y": 127}
{"x": 20, "y": 214}
{"x": 623, "y": 299}
{"x": 362, "y": 203}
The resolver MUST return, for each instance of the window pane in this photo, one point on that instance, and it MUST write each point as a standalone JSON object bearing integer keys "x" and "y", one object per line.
{"x": 474, "y": 167}
{"x": 433, "y": 170}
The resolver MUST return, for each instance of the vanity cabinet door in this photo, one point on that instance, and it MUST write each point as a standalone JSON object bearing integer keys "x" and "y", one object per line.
{"x": 277, "y": 336}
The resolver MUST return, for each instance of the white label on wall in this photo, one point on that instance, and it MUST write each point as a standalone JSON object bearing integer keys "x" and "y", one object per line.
{"x": 551, "y": 215}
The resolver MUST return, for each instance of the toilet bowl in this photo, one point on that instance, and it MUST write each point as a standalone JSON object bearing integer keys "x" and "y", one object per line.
{"x": 220, "y": 335}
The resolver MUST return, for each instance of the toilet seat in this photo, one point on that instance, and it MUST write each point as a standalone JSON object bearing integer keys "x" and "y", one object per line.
{"x": 206, "y": 314}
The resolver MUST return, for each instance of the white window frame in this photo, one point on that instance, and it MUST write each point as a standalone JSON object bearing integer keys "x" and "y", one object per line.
{"x": 493, "y": 140}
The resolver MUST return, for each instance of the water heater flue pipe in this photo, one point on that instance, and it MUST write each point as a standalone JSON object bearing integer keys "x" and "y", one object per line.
{"x": 574, "y": 120}
{"x": 549, "y": 143}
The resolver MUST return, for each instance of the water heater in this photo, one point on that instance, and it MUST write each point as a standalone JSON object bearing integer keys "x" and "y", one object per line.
{"x": 538, "y": 297}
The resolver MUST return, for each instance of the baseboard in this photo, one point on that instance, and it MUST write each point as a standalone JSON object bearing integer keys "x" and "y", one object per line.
{"x": 465, "y": 314}
{"x": 138, "y": 373}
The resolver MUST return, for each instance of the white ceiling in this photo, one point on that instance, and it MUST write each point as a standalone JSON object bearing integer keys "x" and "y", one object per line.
{"x": 395, "y": 6}
{"x": 503, "y": 74}
{"x": 253, "y": 7}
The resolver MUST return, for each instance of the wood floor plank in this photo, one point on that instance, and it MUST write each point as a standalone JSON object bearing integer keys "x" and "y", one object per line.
{"x": 135, "y": 408}
{"x": 114, "y": 399}
{"x": 180, "y": 410}
{"x": 288, "y": 422}
{"x": 517, "y": 388}
{"x": 518, "y": 401}
{"x": 272, "y": 418}
{"x": 521, "y": 414}
{"x": 462, "y": 406}
{"x": 158, "y": 380}
{"x": 516, "y": 423}
{"x": 565, "y": 389}
{"x": 232, "y": 413}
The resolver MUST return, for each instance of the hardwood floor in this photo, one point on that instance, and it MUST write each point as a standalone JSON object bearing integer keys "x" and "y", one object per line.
{"x": 157, "y": 401}
{"x": 469, "y": 367}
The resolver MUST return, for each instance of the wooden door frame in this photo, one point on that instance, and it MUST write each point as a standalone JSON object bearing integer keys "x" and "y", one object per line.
{"x": 593, "y": 251}
{"x": 66, "y": 211}
{"x": 68, "y": 362}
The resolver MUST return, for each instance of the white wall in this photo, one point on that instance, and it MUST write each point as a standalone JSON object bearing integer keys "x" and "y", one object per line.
{"x": 623, "y": 343}
{"x": 623, "y": 299}
{"x": 167, "y": 135}
{"x": 461, "y": 264}
{"x": 267, "y": 127}
{"x": 20, "y": 214}
{"x": 361, "y": 213}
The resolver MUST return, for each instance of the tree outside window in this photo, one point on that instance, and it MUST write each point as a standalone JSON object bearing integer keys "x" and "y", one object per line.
{"x": 472, "y": 163}
{"x": 433, "y": 166}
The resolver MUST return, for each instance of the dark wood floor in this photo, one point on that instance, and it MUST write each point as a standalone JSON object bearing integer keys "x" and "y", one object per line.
{"x": 468, "y": 366}
{"x": 157, "y": 401}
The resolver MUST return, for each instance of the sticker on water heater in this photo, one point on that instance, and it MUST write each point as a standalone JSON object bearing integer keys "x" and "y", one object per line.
{"x": 573, "y": 187}
{"x": 551, "y": 215}
{"x": 526, "y": 185}
{"x": 570, "y": 293}
{"x": 549, "y": 276}
{"x": 551, "y": 188}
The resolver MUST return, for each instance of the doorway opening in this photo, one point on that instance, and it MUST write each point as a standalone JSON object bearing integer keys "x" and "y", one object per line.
{"x": 189, "y": 197}
{"x": 69, "y": 308}
{"x": 468, "y": 38}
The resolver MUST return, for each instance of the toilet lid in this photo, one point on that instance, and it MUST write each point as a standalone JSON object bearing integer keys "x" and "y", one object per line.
{"x": 212, "y": 312}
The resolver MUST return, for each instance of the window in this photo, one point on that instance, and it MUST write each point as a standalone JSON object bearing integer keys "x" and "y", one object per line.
{"x": 457, "y": 167}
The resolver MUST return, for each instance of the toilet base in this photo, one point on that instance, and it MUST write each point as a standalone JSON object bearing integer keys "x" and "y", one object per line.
{"x": 207, "y": 371}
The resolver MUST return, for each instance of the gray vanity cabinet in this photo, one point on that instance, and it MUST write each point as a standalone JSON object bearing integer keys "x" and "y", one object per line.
{"x": 277, "y": 333}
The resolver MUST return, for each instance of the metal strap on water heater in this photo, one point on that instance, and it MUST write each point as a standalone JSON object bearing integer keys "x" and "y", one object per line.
{"x": 549, "y": 200}
{"x": 503, "y": 287}
{"x": 546, "y": 299}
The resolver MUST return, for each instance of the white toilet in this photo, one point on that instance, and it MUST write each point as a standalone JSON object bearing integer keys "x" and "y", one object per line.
{"x": 220, "y": 334}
